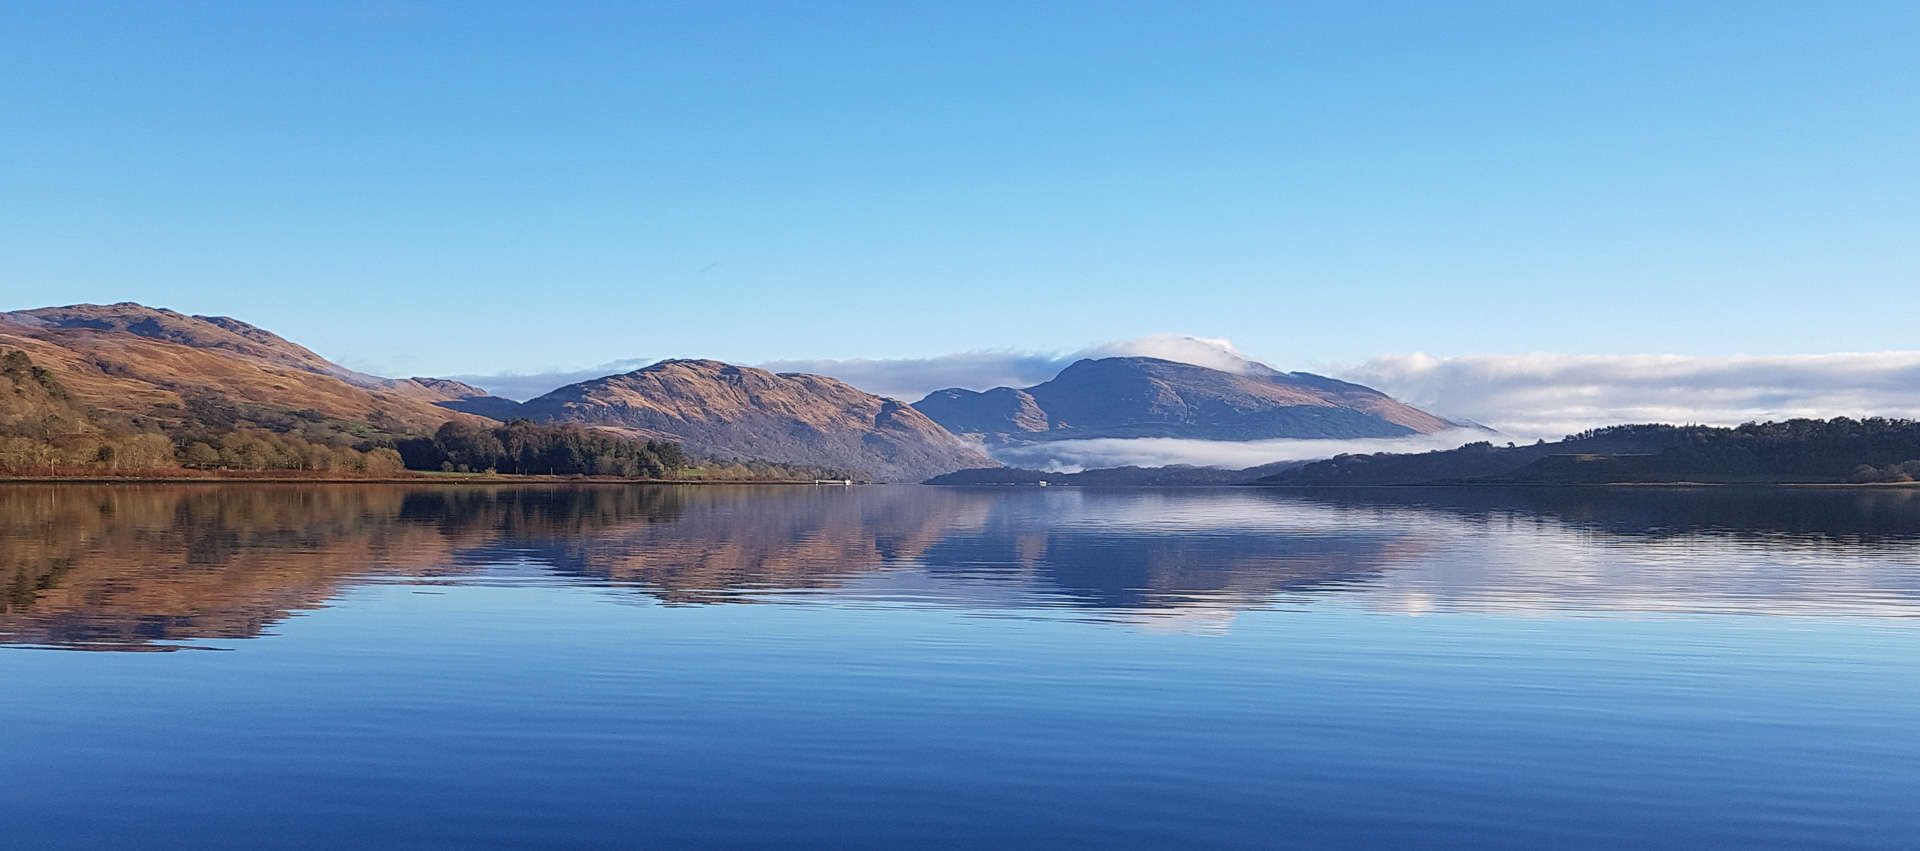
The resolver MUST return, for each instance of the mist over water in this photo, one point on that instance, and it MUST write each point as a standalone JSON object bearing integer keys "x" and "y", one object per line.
{"x": 1072, "y": 456}
{"x": 499, "y": 666}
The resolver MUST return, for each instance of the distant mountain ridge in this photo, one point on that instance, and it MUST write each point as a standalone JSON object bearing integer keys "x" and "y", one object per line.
{"x": 1128, "y": 397}
{"x": 169, "y": 370}
{"x": 725, "y": 410}
{"x": 466, "y": 398}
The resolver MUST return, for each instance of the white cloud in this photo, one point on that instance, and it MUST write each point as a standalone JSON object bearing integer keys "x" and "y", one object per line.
{"x": 1095, "y": 453}
{"x": 1549, "y": 395}
{"x": 1200, "y": 351}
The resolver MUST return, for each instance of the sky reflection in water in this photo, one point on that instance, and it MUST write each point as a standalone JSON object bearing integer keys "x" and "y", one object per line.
{"x": 453, "y": 667}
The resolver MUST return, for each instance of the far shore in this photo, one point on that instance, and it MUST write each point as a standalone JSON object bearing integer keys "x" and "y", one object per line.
{"x": 1837, "y": 485}
{"x": 437, "y": 478}
{"x": 418, "y": 479}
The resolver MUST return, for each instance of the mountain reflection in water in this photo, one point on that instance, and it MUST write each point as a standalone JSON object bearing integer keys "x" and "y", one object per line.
{"x": 156, "y": 567}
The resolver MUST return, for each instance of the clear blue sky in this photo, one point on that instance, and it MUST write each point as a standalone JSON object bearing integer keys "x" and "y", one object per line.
{"x": 418, "y": 188}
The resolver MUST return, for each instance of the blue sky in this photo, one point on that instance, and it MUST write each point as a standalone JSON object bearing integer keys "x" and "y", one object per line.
{"x": 436, "y": 189}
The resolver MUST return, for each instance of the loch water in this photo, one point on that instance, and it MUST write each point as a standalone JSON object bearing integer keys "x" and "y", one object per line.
{"x": 327, "y": 666}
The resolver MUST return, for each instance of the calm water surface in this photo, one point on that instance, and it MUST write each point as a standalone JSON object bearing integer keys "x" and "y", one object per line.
{"x": 463, "y": 667}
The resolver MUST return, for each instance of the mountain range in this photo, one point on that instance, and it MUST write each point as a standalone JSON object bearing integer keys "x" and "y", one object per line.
{"x": 720, "y": 409}
{"x": 1126, "y": 397}
{"x": 161, "y": 369}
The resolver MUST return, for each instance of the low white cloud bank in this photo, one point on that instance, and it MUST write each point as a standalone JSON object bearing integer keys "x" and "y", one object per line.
{"x": 1213, "y": 353}
{"x": 1072, "y": 456}
{"x": 1551, "y": 395}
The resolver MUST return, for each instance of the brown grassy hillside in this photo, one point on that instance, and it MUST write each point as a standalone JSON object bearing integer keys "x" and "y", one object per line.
{"x": 157, "y": 364}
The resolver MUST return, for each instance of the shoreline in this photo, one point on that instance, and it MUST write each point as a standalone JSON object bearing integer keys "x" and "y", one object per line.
{"x": 1816, "y": 485}
{"x": 442, "y": 479}
{"x": 390, "y": 480}
{"x": 1446, "y": 485}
